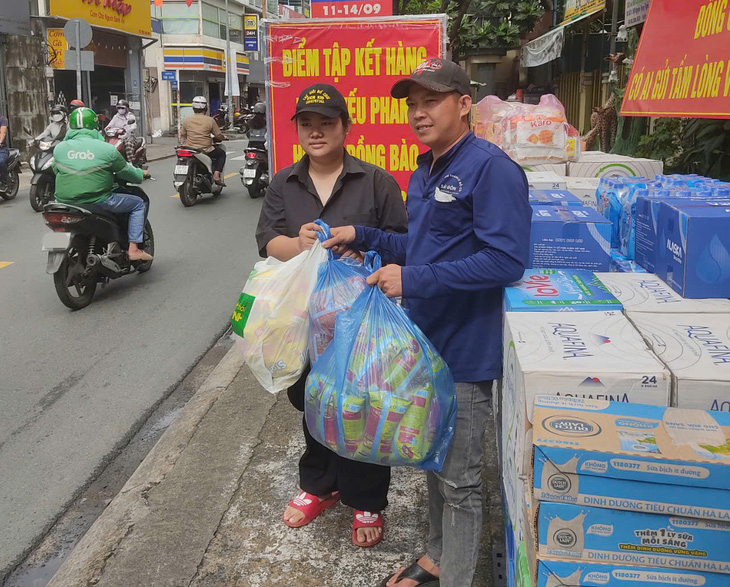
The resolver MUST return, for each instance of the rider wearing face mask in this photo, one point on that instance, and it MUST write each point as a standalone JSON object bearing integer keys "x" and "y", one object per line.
{"x": 125, "y": 120}
{"x": 56, "y": 130}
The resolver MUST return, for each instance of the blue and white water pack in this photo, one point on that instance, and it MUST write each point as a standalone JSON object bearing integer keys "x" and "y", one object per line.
{"x": 632, "y": 457}
{"x": 694, "y": 254}
{"x": 554, "y": 573}
{"x": 621, "y": 537}
{"x": 553, "y": 198}
{"x": 569, "y": 237}
{"x": 550, "y": 290}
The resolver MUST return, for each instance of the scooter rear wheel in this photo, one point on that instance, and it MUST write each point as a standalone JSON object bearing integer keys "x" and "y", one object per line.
{"x": 74, "y": 291}
{"x": 13, "y": 185}
{"x": 187, "y": 195}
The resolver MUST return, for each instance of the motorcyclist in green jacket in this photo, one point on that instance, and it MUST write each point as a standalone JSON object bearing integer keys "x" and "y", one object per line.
{"x": 86, "y": 168}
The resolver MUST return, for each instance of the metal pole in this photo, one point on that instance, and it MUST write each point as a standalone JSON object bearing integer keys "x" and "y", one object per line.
{"x": 614, "y": 33}
{"x": 78, "y": 60}
{"x": 230, "y": 69}
{"x": 179, "y": 118}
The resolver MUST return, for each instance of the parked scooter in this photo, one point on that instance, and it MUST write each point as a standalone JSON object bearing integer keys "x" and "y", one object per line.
{"x": 221, "y": 117}
{"x": 241, "y": 120}
{"x": 193, "y": 175}
{"x": 13, "y": 163}
{"x": 43, "y": 183}
{"x": 88, "y": 247}
{"x": 114, "y": 137}
{"x": 255, "y": 173}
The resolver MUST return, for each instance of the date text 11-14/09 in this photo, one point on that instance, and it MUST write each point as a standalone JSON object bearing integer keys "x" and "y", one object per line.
{"x": 348, "y": 9}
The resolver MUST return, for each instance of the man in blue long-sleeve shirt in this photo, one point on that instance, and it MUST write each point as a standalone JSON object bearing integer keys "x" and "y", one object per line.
{"x": 468, "y": 237}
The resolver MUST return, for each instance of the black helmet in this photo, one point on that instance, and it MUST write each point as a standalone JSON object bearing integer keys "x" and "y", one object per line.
{"x": 123, "y": 104}
{"x": 259, "y": 108}
{"x": 59, "y": 109}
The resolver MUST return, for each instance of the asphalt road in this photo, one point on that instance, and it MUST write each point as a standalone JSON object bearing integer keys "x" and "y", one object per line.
{"x": 75, "y": 385}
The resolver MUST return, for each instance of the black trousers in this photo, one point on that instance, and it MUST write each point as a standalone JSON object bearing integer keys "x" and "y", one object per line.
{"x": 362, "y": 486}
{"x": 218, "y": 158}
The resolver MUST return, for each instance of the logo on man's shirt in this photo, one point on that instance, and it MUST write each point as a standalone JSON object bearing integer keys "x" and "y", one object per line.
{"x": 450, "y": 187}
{"x": 86, "y": 155}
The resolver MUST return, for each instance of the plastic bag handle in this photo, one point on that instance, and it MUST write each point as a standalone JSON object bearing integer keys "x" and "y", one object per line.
{"x": 372, "y": 262}
{"x": 326, "y": 233}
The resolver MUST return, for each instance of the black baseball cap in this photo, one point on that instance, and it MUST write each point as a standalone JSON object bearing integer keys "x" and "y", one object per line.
{"x": 322, "y": 99}
{"x": 439, "y": 75}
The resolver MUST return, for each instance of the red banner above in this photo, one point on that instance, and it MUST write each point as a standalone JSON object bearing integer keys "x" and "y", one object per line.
{"x": 363, "y": 59}
{"x": 682, "y": 65}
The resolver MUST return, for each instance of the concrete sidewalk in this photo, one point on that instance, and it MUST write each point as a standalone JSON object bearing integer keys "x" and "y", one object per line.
{"x": 205, "y": 506}
{"x": 162, "y": 148}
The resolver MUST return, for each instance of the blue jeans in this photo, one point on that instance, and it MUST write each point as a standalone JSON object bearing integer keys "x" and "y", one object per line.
{"x": 4, "y": 165}
{"x": 127, "y": 204}
{"x": 455, "y": 493}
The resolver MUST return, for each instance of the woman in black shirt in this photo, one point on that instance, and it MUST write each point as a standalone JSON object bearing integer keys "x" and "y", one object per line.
{"x": 330, "y": 184}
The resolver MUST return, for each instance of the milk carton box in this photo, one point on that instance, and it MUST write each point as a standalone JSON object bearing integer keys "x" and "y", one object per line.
{"x": 569, "y": 237}
{"x": 696, "y": 348}
{"x": 562, "y": 290}
{"x": 563, "y": 573}
{"x": 545, "y": 180}
{"x": 584, "y": 188}
{"x": 553, "y": 198}
{"x": 560, "y": 169}
{"x": 633, "y": 538}
{"x": 632, "y": 457}
{"x": 607, "y": 165}
{"x": 694, "y": 249}
{"x": 579, "y": 354}
{"x": 645, "y": 292}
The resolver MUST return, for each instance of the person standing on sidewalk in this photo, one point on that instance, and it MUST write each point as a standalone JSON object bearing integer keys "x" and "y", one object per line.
{"x": 468, "y": 237}
{"x": 330, "y": 184}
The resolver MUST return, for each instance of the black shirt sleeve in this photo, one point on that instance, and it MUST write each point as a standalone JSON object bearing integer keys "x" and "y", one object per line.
{"x": 272, "y": 221}
{"x": 389, "y": 205}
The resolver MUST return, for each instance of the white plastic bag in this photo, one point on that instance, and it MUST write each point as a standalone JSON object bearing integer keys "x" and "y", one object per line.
{"x": 271, "y": 317}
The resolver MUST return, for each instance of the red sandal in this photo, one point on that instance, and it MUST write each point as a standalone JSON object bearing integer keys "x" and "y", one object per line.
{"x": 367, "y": 520}
{"x": 310, "y": 506}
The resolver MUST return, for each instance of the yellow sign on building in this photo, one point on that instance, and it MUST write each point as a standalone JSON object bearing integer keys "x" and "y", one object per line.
{"x": 130, "y": 16}
{"x": 56, "y": 46}
{"x": 575, "y": 9}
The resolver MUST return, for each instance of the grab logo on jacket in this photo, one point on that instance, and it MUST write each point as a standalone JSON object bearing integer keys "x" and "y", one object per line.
{"x": 85, "y": 155}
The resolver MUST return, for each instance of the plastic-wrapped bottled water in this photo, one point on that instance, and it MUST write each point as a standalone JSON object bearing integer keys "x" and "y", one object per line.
{"x": 618, "y": 202}
{"x": 627, "y": 226}
{"x": 601, "y": 191}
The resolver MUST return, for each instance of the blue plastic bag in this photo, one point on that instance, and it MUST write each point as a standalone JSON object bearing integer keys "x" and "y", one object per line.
{"x": 381, "y": 393}
{"x": 339, "y": 283}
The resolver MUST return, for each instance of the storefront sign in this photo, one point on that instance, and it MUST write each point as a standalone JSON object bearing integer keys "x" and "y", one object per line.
{"x": 636, "y": 11}
{"x": 345, "y": 8}
{"x": 363, "y": 59}
{"x": 130, "y": 16}
{"x": 288, "y": 13}
{"x": 56, "y": 47}
{"x": 251, "y": 32}
{"x": 682, "y": 65}
{"x": 575, "y": 9}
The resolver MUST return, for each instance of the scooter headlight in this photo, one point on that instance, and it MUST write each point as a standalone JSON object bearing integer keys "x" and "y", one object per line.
{"x": 47, "y": 164}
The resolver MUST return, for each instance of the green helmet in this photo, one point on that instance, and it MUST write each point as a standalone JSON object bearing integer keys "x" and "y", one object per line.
{"x": 83, "y": 118}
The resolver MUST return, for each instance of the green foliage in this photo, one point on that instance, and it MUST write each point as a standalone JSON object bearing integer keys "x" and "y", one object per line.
{"x": 485, "y": 23}
{"x": 694, "y": 145}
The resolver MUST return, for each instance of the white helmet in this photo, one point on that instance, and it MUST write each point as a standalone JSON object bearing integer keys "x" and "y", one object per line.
{"x": 200, "y": 104}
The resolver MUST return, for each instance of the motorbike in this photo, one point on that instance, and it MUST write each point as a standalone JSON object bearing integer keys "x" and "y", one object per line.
{"x": 255, "y": 172}
{"x": 43, "y": 183}
{"x": 88, "y": 246}
{"x": 114, "y": 137}
{"x": 221, "y": 117}
{"x": 241, "y": 120}
{"x": 193, "y": 175}
{"x": 11, "y": 189}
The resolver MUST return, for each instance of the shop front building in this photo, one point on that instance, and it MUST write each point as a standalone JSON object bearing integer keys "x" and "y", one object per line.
{"x": 121, "y": 30}
{"x": 192, "y": 51}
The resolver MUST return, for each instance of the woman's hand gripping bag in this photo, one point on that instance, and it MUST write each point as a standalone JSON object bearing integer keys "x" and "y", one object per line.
{"x": 381, "y": 393}
{"x": 339, "y": 283}
{"x": 271, "y": 317}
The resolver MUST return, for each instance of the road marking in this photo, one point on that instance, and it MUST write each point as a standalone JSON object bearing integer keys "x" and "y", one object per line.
{"x": 5, "y": 263}
{"x": 175, "y": 196}
{"x": 239, "y": 158}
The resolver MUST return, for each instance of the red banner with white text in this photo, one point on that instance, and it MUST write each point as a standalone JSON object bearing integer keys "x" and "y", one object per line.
{"x": 362, "y": 59}
{"x": 682, "y": 65}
